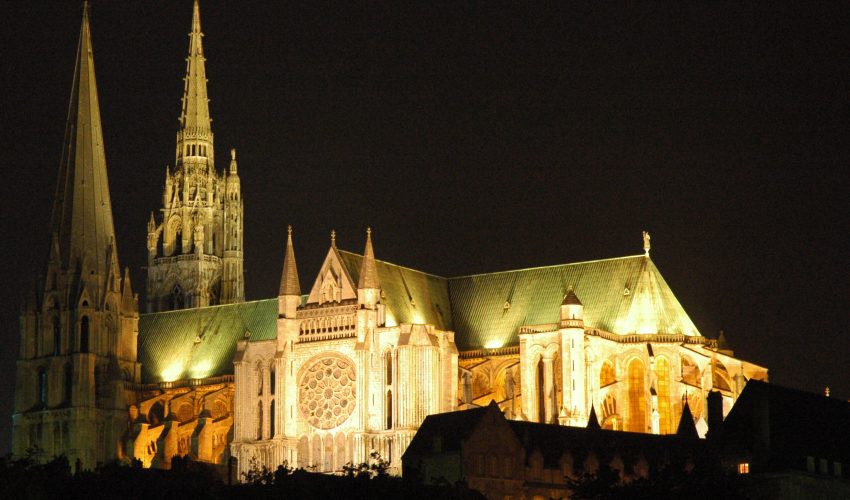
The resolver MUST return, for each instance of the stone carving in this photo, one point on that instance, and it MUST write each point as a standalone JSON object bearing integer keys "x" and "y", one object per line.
{"x": 326, "y": 397}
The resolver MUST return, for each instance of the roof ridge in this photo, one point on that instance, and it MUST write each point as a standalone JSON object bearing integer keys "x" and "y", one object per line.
{"x": 546, "y": 267}
{"x": 202, "y": 308}
{"x": 394, "y": 264}
{"x": 495, "y": 272}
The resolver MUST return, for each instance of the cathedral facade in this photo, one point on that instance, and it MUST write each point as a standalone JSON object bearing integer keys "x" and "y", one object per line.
{"x": 327, "y": 377}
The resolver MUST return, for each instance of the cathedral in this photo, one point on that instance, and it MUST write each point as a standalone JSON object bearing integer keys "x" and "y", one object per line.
{"x": 323, "y": 376}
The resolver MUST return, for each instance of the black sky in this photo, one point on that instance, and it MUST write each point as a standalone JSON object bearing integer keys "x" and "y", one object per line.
{"x": 476, "y": 137}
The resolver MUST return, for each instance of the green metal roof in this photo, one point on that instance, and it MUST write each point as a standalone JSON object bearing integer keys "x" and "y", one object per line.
{"x": 624, "y": 295}
{"x": 488, "y": 309}
{"x": 410, "y": 296}
{"x": 198, "y": 343}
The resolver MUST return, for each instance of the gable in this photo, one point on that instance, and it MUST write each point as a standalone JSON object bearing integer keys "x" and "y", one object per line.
{"x": 334, "y": 281}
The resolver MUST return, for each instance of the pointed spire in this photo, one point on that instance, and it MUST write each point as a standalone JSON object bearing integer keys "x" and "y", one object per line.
{"x": 687, "y": 427}
{"x": 82, "y": 210}
{"x": 289, "y": 284}
{"x": 571, "y": 299}
{"x": 369, "y": 269}
{"x": 722, "y": 343}
{"x": 128, "y": 304}
{"x": 195, "y": 116}
{"x": 333, "y": 238}
{"x": 233, "y": 161}
{"x": 593, "y": 420}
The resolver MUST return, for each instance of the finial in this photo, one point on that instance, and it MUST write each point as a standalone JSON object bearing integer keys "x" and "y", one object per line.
{"x": 333, "y": 238}
{"x": 289, "y": 230}
{"x": 233, "y": 154}
{"x": 369, "y": 231}
{"x": 826, "y": 391}
{"x": 646, "y": 244}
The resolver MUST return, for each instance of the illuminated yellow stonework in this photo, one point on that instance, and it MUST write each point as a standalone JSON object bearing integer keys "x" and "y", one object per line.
{"x": 326, "y": 378}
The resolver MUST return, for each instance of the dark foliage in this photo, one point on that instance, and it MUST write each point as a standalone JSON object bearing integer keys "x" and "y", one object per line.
{"x": 28, "y": 479}
{"x": 671, "y": 482}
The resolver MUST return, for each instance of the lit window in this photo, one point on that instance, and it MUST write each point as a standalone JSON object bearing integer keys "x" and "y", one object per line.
{"x": 743, "y": 468}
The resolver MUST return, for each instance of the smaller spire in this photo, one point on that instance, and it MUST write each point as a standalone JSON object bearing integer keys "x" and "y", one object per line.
{"x": 722, "y": 343}
{"x": 232, "y": 161}
{"x": 687, "y": 427}
{"x": 369, "y": 269}
{"x": 646, "y": 245}
{"x": 593, "y": 420}
{"x": 571, "y": 299}
{"x": 289, "y": 284}
{"x": 333, "y": 238}
{"x": 128, "y": 303}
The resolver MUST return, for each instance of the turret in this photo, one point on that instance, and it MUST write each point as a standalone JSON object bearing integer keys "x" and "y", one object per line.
{"x": 572, "y": 311}
{"x": 575, "y": 404}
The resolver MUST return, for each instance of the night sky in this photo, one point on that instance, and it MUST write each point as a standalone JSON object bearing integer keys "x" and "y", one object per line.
{"x": 474, "y": 138}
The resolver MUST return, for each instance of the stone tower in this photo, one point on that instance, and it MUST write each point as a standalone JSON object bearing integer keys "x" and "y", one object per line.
{"x": 79, "y": 322}
{"x": 195, "y": 249}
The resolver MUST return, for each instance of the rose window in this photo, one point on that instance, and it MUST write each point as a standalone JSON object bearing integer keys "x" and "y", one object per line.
{"x": 326, "y": 394}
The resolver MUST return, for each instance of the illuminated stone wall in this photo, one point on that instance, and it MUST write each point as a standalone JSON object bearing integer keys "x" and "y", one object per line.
{"x": 337, "y": 384}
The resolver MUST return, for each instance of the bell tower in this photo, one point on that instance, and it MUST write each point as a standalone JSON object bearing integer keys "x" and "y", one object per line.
{"x": 195, "y": 252}
{"x": 79, "y": 323}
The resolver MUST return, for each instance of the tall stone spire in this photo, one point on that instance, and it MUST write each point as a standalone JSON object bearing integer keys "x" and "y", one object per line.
{"x": 195, "y": 138}
{"x": 81, "y": 339}
{"x": 289, "y": 284}
{"x": 82, "y": 210}
{"x": 202, "y": 209}
{"x": 195, "y": 116}
{"x": 369, "y": 269}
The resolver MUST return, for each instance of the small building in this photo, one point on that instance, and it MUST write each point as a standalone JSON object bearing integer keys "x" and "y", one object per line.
{"x": 505, "y": 458}
{"x": 790, "y": 443}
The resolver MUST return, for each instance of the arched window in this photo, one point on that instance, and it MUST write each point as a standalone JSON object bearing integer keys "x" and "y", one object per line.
{"x": 42, "y": 386}
{"x": 177, "y": 298}
{"x": 259, "y": 380}
{"x": 259, "y": 421}
{"x": 607, "y": 375}
{"x": 389, "y": 409}
{"x": 662, "y": 378}
{"x": 84, "y": 334}
{"x": 388, "y": 366}
{"x": 68, "y": 378}
{"x": 271, "y": 419}
{"x": 541, "y": 393}
{"x": 57, "y": 337}
{"x": 467, "y": 387}
{"x": 271, "y": 379}
{"x": 637, "y": 397}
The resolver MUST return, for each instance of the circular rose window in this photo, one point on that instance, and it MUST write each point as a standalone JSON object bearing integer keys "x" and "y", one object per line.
{"x": 326, "y": 393}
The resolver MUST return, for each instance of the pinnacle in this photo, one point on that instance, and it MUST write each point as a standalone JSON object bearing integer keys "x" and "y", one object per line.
{"x": 289, "y": 284}
{"x": 369, "y": 269}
